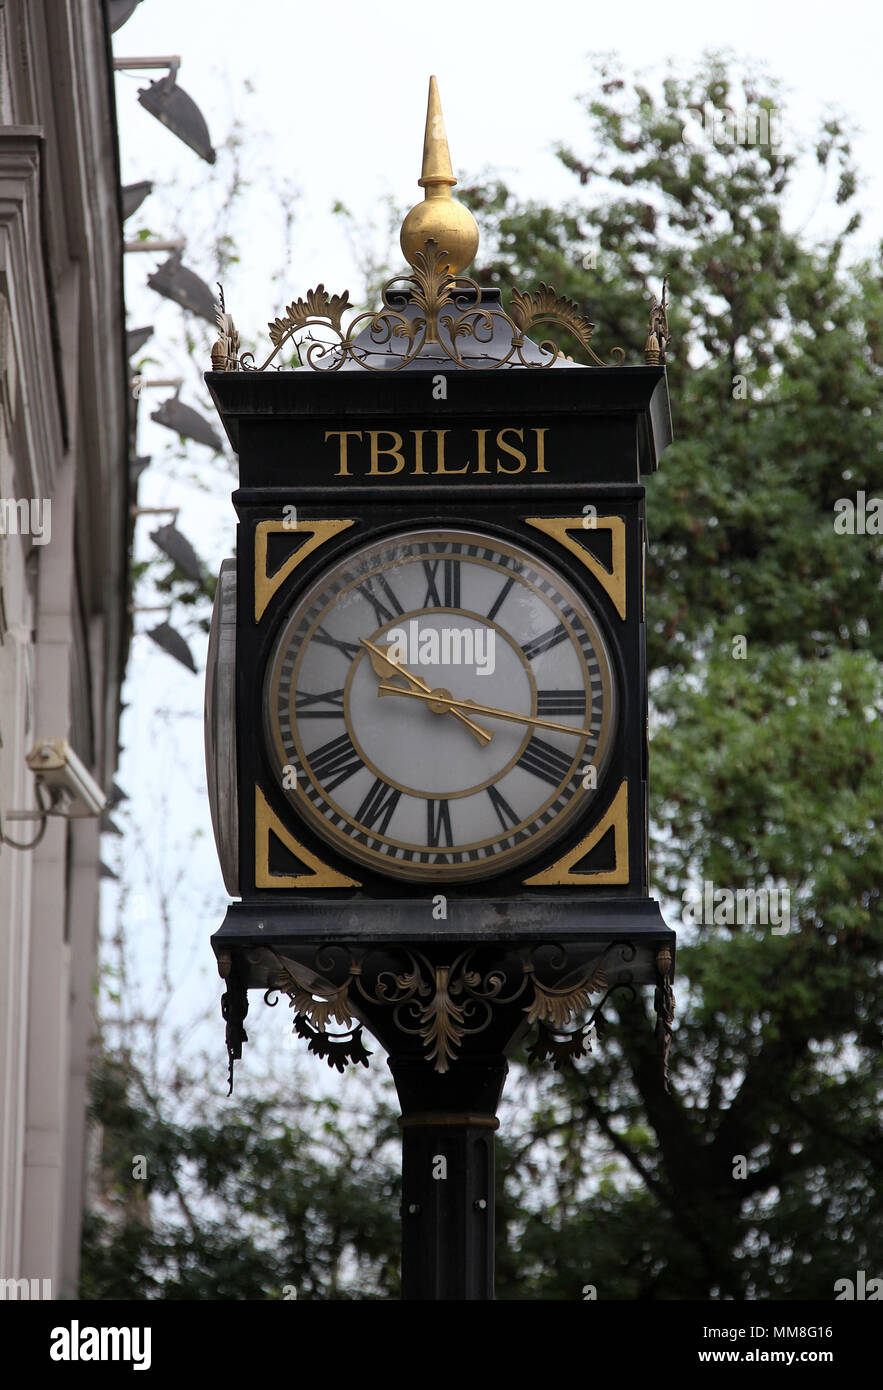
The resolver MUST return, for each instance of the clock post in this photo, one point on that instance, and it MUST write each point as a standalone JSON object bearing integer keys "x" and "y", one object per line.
{"x": 426, "y": 702}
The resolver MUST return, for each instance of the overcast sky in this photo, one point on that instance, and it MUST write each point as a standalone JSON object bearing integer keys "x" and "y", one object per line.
{"x": 334, "y": 96}
{"x": 339, "y": 90}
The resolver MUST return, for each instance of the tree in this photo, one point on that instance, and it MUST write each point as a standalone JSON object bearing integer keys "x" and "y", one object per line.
{"x": 765, "y": 770}
{"x": 252, "y": 1200}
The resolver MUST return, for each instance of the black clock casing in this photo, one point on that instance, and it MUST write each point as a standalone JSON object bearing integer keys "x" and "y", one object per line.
{"x": 547, "y": 461}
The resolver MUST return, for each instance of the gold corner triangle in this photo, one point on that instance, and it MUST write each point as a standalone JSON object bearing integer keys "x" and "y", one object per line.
{"x": 611, "y": 580}
{"x": 321, "y": 875}
{"x": 562, "y": 872}
{"x": 265, "y": 585}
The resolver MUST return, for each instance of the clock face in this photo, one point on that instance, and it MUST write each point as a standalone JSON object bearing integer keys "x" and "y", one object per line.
{"x": 440, "y": 705}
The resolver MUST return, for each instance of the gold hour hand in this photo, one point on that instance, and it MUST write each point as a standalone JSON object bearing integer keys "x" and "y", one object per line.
{"x": 386, "y": 665}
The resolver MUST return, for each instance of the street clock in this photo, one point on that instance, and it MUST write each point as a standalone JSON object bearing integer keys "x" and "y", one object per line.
{"x": 426, "y": 706}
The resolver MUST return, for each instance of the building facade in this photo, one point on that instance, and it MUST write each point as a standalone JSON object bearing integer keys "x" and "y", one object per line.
{"x": 64, "y": 621}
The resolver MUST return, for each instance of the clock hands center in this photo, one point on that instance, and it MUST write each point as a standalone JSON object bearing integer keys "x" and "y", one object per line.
{"x": 444, "y": 700}
{"x": 386, "y": 665}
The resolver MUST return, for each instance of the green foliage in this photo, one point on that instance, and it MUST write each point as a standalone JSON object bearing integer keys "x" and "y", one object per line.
{"x": 766, "y": 771}
{"x": 248, "y": 1200}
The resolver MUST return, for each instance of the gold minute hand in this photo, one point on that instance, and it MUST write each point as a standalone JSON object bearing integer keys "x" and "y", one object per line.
{"x": 442, "y": 697}
{"x": 386, "y": 665}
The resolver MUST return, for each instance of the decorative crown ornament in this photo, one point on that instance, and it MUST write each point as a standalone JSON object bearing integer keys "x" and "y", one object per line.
{"x": 434, "y": 315}
{"x": 658, "y": 336}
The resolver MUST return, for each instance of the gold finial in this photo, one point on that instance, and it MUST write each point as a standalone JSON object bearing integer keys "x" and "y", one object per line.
{"x": 439, "y": 215}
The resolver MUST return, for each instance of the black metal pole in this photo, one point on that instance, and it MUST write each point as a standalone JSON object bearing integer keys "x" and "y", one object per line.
{"x": 448, "y": 1125}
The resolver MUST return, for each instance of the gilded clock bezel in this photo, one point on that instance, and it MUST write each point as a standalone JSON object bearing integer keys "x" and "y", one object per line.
{"x": 499, "y": 861}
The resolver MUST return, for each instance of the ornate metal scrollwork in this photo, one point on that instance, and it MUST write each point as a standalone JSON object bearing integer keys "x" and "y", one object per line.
{"x": 555, "y": 1007}
{"x": 313, "y": 1010}
{"x": 226, "y": 350}
{"x": 563, "y": 1045}
{"x": 441, "y": 1004}
{"x": 658, "y": 334}
{"x": 431, "y": 289}
{"x": 234, "y": 1007}
{"x": 664, "y": 1004}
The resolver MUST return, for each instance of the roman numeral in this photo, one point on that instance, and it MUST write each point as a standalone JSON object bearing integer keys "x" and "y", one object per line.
{"x": 384, "y": 614}
{"x": 334, "y": 762}
{"x": 544, "y": 761}
{"x": 551, "y": 702}
{"x": 544, "y": 641}
{"x": 450, "y": 584}
{"x": 378, "y": 806}
{"x": 500, "y": 599}
{"x": 349, "y": 649}
{"x": 331, "y": 697}
{"x": 438, "y": 823}
{"x": 508, "y": 817}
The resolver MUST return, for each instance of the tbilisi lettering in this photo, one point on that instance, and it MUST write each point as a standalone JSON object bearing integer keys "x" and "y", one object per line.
{"x": 428, "y": 453}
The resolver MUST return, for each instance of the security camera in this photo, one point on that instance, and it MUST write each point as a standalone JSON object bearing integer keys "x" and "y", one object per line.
{"x": 72, "y": 791}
